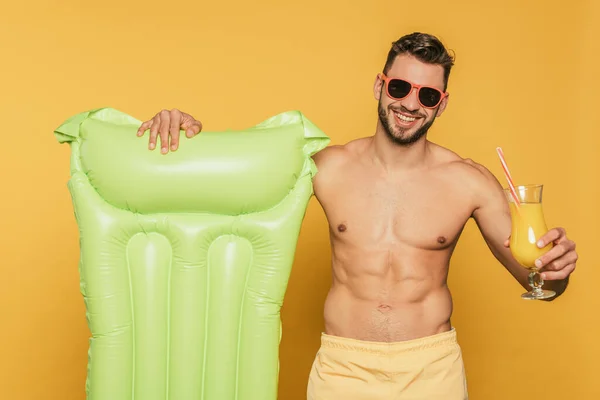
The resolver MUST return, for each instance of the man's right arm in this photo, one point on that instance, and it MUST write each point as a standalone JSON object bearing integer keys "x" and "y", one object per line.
{"x": 328, "y": 162}
{"x": 167, "y": 125}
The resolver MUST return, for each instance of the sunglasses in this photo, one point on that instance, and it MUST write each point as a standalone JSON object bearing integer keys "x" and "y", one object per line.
{"x": 396, "y": 88}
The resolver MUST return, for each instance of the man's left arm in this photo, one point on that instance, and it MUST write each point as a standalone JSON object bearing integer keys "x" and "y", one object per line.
{"x": 492, "y": 216}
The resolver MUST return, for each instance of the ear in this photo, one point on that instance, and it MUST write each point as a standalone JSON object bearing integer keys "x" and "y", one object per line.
{"x": 377, "y": 86}
{"x": 443, "y": 105}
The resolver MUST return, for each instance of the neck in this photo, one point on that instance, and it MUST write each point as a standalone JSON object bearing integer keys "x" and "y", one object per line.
{"x": 393, "y": 156}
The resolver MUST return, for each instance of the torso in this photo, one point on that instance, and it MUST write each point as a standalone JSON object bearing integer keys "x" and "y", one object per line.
{"x": 392, "y": 236}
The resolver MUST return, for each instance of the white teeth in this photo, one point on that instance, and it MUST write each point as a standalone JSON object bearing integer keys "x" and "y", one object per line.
{"x": 404, "y": 118}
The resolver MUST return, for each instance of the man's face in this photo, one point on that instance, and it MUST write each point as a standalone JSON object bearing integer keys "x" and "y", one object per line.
{"x": 406, "y": 120}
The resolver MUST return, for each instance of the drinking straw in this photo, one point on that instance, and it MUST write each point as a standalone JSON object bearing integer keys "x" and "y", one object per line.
{"x": 511, "y": 184}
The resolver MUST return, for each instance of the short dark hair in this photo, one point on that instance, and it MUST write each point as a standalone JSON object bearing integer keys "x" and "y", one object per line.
{"x": 425, "y": 48}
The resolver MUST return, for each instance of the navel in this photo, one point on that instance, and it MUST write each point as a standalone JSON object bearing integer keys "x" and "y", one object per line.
{"x": 441, "y": 240}
{"x": 341, "y": 228}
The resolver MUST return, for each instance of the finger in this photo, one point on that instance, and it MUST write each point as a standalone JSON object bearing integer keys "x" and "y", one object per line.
{"x": 175, "y": 128}
{"x": 194, "y": 129}
{"x": 560, "y": 263}
{"x": 551, "y": 236}
{"x": 154, "y": 132}
{"x": 163, "y": 131}
{"x": 144, "y": 127}
{"x": 554, "y": 253}
{"x": 558, "y": 275}
{"x": 190, "y": 125}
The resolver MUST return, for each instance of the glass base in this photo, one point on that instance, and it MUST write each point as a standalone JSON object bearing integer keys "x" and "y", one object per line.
{"x": 536, "y": 282}
{"x": 538, "y": 294}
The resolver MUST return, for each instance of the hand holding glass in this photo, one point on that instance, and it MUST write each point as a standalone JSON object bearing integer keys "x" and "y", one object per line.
{"x": 528, "y": 226}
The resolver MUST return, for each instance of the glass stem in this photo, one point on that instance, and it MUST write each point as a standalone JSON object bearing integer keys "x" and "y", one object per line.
{"x": 536, "y": 282}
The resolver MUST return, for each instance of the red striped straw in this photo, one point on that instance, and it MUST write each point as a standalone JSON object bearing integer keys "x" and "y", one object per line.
{"x": 511, "y": 184}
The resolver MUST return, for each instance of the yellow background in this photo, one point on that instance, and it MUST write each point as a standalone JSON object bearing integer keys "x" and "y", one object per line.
{"x": 526, "y": 78}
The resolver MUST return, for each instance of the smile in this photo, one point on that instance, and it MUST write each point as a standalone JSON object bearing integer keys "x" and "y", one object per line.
{"x": 404, "y": 120}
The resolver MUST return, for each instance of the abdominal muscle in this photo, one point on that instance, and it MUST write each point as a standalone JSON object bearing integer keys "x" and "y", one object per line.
{"x": 384, "y": 297}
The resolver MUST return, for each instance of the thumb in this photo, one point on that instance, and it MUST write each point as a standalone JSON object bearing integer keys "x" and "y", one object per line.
{"x": 190, "y": 125}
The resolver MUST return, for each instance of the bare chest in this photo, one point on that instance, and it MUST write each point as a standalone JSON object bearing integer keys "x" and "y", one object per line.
{"x": 418, "y": 212}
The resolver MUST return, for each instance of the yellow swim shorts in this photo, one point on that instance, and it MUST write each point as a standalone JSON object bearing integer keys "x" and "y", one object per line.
{"x": 429, "y": 368}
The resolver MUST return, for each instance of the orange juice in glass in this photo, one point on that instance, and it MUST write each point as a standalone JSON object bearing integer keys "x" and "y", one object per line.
{"x": 528, "y": 226}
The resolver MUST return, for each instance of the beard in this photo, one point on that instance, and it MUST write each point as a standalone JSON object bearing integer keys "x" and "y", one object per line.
{"x": 396, "y": 133}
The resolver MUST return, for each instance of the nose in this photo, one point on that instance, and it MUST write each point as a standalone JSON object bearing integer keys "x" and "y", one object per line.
{"x": 411, "y": 102}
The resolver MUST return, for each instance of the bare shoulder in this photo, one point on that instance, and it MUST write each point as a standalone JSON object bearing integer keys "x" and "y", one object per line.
{"x": 479, "y": 176}
{"x": 330, "y": 156}
{"x": 473, "y": 171}
{"x": 332, "y": 161}
{"x": 468, "y": 173}
{"x": 333, "y": 157}
{"x": 486, "y": 191}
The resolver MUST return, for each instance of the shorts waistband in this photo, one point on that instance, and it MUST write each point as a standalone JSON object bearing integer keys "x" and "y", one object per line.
{"x": 447, "y": 338}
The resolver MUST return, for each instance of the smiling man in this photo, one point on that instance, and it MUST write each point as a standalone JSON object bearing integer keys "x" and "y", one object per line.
{"x": 396, "y": 205}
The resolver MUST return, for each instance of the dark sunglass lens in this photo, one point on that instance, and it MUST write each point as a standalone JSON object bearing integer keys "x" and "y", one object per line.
{"x": 398, "y": 88}
{"x": 429, "y": 97}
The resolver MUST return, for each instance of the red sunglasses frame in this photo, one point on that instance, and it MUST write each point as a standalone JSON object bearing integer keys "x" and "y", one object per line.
{"x": 413, "y": 86}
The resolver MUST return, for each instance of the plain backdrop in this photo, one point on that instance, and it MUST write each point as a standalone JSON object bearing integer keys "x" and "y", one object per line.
{"x": 526, "y": 79}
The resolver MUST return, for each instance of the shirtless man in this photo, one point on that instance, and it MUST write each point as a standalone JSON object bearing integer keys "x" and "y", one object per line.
{"x": 396, "y": 205}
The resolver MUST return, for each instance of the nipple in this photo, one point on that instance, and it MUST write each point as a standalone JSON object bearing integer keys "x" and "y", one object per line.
{"x": 441, "y": 240}
{"x": 341, "y": 227}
